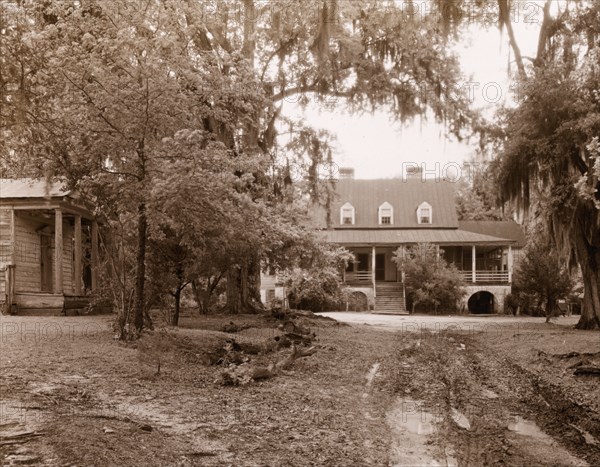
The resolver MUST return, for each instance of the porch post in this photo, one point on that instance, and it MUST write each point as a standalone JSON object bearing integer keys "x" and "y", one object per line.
{"x": 13, "y": 237}
{"x": 58, "y": 251}
{"x": 510, "y": 264}
{"x": 474, "y": 263}
{"x": 373, "y": 270}
{"x": 77, "y": 257}
{"x": 94, "y": 258}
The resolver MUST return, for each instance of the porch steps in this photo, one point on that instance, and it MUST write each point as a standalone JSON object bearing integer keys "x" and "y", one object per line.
{"x": 389, "y": 298}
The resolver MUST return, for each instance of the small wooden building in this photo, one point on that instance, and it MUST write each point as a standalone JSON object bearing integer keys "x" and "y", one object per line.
{"x": 36, "y": 276}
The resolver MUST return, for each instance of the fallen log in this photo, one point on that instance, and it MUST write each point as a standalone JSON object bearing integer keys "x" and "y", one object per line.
{"x": 576, "y": 354}
{"x": 243, "y": 374}
{"x": 587, "y": 370}
{"x": 22, "y": 434}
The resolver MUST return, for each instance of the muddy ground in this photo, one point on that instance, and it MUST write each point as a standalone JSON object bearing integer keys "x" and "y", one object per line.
{"x": 71, "y": 395}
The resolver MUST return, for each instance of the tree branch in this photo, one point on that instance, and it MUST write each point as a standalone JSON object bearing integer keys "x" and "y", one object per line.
{"x": 506, "y": 22}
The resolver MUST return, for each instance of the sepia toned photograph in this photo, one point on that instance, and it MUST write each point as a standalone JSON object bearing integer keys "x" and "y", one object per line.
{"x": 289, "y": 233}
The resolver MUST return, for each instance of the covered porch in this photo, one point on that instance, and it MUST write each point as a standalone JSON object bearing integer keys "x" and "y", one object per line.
{"x": 48, "y": 252}
{"x": 478, "y": 264}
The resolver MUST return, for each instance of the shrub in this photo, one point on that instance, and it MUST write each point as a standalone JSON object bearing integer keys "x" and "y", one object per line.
{"x": 315, "y": 289}
{"x": 429, "y": 280}
{"x": 540, "y": 280}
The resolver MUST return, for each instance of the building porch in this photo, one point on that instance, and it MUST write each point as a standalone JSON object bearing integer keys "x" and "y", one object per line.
{"x": 478, "y": 264}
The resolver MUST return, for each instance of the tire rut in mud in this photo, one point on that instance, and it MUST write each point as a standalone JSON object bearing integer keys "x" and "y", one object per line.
{"x": 478, "y": 396}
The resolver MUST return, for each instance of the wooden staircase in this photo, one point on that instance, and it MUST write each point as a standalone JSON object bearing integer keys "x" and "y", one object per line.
{"x": 390, "y": 298}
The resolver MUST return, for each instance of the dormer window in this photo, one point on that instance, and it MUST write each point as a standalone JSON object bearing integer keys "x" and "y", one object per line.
{"x": 347, "y": 214}
{"x": 424, "y": 213}
{"x": 386, "y": 214}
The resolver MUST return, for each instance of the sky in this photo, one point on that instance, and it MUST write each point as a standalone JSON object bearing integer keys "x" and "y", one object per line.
{"x": 377, "y": 148}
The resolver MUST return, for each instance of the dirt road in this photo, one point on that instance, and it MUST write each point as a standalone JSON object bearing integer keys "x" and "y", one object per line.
{"x": 400, "y": 391}
{"x": 411, "y": 323}
{"x": 491, "y": 391}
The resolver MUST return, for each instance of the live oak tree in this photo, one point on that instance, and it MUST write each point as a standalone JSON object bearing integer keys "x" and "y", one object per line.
{"x": 547, "y": 142}
{"x": 549, "y": 150}
{"x": 357, "y": 55}
{"x": 92, "y": 89}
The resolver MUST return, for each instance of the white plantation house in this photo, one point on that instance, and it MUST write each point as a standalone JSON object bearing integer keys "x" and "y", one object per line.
{"x": 374, "y": 218}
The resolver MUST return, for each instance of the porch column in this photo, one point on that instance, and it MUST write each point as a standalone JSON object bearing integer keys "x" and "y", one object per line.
{"x": 13, "y": 237}
{"x": 77, "y": 257}
{"x": 58, "y": 251}
{"x": 94, "y": 258}
{"x": 373, "y": 270}
{"x": 474, "y": 265}
{"x": 510, "y": 264}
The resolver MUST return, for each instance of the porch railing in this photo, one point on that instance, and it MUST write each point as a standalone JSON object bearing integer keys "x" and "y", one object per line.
{"x": 486, "y": 276}
{"x": 359, "y": 276}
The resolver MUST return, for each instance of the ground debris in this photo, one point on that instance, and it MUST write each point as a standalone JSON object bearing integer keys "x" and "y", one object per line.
{"x": 587, "y": 370}
{"x": 22, "y": 459}
{"x": 233, "y": 328}
{"x": 19, "y": 435}
{"x": 240, "y": 375}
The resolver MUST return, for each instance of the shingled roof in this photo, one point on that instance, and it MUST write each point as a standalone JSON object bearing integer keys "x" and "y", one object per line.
{"x": 502, "y": 229}
{"x": 396, "y": 237}
{"x": 404, "y": 195}
{"x": 31, "y": 188}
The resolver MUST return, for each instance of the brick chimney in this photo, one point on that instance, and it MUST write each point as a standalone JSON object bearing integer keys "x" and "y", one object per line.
{"x": 346, "y": 173}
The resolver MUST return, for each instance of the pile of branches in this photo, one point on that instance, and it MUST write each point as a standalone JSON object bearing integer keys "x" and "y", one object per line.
{"x": 241, "y": 371}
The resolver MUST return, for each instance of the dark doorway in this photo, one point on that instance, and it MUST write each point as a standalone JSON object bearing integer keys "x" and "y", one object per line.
{"x": 481, "y": 303}
{"x": 380, "y": 267}
{"x": 46, "y": 263}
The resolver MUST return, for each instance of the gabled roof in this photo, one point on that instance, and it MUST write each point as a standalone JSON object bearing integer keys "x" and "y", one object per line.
{"x": 502, "y": 229}
{"x": 31, "y": 188}
{"x": 397, "y": 237}
{"x": 405, "y": 196}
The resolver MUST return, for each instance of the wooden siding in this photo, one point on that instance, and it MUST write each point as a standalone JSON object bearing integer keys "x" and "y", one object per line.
{"x": 67, "y": 266}
{"x": 28, "y": 251}
{"x": 2, "y": 283}
{"x": 5, "y": 236}
{"x": 267, "y": 281}
{"x": 39, "y": 300}
{"x": 27, "y": 255}
{"x": 6, "y": 247}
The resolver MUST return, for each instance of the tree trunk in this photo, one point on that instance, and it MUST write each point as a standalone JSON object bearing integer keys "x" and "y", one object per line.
{"x": 590, "y": 310}
{"x": 140, "y": 274}
{"x": 588, "y": 256}
{"x": 200, "y": 300}
{"x": 177, "y": 297}
{"x": 243, "y": 288}
{"x": 505, "y": 16}
{"x": 549, "y": 309}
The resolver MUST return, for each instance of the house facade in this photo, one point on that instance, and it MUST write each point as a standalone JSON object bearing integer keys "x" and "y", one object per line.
{"x": 375, "y": 218}
{"x": 48, "y": 248}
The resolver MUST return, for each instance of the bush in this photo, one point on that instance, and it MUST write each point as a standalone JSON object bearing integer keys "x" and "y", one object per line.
{"x": 315, "y": 289}
{"x": 429, "y": 280}
{"x": 541, "y": 280}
